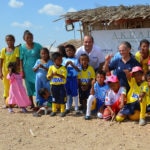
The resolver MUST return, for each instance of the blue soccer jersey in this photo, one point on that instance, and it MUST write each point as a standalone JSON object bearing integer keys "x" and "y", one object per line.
{"x": 71, "y": 71}
{"x": 100, "y": 91}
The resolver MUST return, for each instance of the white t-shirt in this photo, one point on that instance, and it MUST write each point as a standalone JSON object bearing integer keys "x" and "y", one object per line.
{"x": 96, "y": 56}
{"x": 112, "y": 97}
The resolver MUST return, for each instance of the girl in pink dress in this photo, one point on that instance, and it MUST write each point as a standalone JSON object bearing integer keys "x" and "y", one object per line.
{"x": 17, "y": 92}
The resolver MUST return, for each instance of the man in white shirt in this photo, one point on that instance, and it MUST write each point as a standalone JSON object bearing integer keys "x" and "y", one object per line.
{"x": 94, "y": 52}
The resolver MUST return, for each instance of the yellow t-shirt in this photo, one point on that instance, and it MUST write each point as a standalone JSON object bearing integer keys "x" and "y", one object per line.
{"x": 135, "y": 90}
{"x": 8, "y": 57}
{"x": 57, "y": 80}
{"x": 86, "y": 75}
{"x": 144, "y": 62}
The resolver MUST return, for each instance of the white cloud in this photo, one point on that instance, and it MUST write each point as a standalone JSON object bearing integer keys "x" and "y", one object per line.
{"x": 15, "y": 3}
{"x": 25, "y": 24}
{"x": 52, "y": 10}
{"x": 71, "y": 10}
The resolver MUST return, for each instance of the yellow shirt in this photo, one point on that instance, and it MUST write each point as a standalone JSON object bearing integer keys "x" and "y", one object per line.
{"x": 135, "y": 90}
{"x": 86, "y": 75}
{"x": 144, "y": 62}
{"x": 55, "y": 79}
{"x": 8, "y": 57}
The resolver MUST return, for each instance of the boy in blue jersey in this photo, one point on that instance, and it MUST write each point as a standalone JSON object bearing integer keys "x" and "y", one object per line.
{"x": 98, "y": 92}
{"x": 71, "y": 63}
{"x": 45, "y": 102}
{"x": 57, "y": 75}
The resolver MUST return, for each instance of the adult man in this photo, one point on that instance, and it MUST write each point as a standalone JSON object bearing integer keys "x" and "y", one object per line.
{"x": 126, "y": 62}
{"x": 94, "y": 52}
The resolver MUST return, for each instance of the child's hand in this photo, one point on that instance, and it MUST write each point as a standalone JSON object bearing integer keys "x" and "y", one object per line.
{"x": 121, "y": 105}
{"x": 141, "y": 96}
{"x": 54, "y": 74}
{"x": 112, "y": 113}
{"x": 126, "y": 71}
{"x": 69, "y": 63}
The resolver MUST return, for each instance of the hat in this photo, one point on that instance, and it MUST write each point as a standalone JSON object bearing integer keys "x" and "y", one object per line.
{"x": 136, "y": 69}
{"x": 112, "y": 79}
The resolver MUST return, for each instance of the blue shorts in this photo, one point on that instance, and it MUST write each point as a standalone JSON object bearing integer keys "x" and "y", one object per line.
{"x": 72, "y": 86}
{"x": 129, "y": 108}
{"x": 99, "y": 104}
{"x": 58, "y": 94}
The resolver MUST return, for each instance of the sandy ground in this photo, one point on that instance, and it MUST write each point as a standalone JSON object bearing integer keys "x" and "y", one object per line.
{"x": 24, "y": 132}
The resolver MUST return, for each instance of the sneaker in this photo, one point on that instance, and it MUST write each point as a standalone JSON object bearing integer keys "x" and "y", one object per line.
{"x": 53, "y": 114}
{"x": 142, "y": 122}
{"x": 36, "y": 115}
{"x": 63, "y": 114}
{"x": 67, "y": 111}
{"x": 87, "y": 118}
{"x": 77, "y": 112}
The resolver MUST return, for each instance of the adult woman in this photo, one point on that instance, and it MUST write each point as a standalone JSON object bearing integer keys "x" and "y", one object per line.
{"x": 29, "y": 53}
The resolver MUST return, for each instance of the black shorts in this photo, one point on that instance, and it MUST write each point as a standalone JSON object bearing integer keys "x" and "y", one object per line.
{"x": 58, "y": 94}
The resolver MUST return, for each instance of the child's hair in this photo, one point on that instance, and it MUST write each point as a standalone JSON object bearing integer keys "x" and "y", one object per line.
{"x": 13, "y": 66}
{"x": 61, "y": 49}
{"x": 10, "y": 36}
{"x": 71, "y": 47}
{"x": 27, "y": 32}
{"x": 144, "y": 41}
{"x": 84, "y": 55}
{"x": 46, "y": 50}
{"x": 42, "y": 91}
{"x": 101, "y": 72}
{"x": 56, "y": 55}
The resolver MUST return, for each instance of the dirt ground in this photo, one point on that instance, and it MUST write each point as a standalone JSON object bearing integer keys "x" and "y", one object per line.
{"x": 24, "y": 132}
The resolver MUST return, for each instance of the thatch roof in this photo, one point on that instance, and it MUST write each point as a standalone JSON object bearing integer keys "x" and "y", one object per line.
{"x": 109, "y": 14}
{"x": 76, "y": 43}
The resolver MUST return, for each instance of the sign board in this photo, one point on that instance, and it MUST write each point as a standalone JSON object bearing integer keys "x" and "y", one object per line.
{"x": 109, "y": 40}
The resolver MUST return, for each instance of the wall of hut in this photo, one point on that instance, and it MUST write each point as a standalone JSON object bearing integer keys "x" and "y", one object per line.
{"x": 121, "y": 24}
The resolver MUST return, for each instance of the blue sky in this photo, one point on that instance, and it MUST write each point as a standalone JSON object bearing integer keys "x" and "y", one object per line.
{"x": 38, "y": 16}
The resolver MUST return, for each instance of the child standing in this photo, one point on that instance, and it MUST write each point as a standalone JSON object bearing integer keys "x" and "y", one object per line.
{"x": 115, "y": 98}
{"x": 40, "y": 68}
{"x": 71, "y": 63}
{"x": 57, "y": 75}
{"x": 7, "y": 55}
{"x": 85, "y": 77}
{"x": 45, "y": 103}
{"x": 136, "y": 97}
{"x": 142, "y": 56}
{"x": 98, "y": 92}
{"x": 17, "y": 92}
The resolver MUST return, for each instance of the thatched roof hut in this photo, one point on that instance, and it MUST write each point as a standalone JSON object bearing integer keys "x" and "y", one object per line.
{"x": 111, "y": 25}
{"x": 114, "y": 17}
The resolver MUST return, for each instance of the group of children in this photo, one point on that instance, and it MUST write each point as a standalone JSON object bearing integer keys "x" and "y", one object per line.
{"x": 64, "y": 79}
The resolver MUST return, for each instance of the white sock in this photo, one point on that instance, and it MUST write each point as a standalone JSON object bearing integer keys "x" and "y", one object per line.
{"x": 75, "y": 99}
{"x": 67, "y": 104}
{"x": 90, "y": 99}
